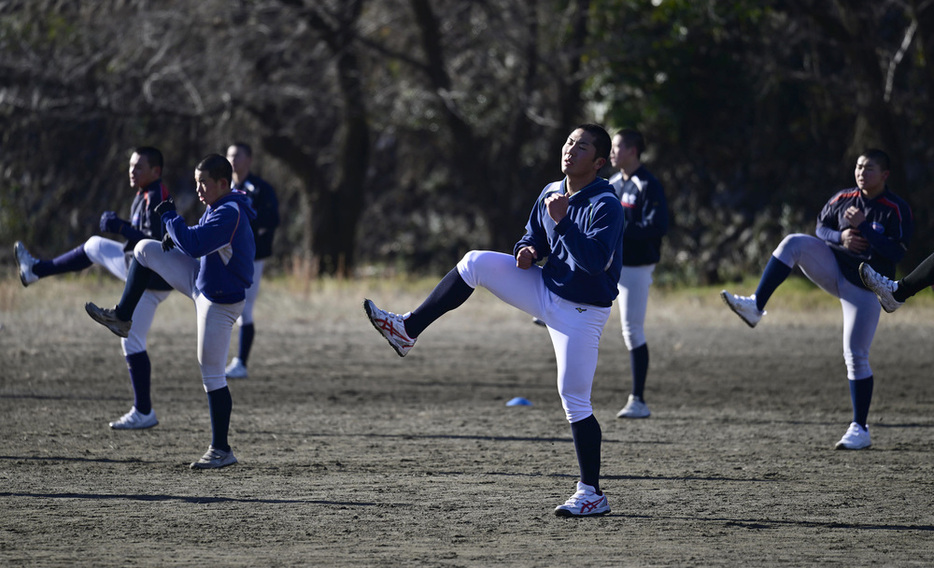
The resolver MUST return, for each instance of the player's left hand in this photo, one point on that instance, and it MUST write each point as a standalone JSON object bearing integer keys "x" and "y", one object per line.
{"x": 167, "y": 243}
{"x": 557, "y": 205}
{"x": 110, "y": 223}
{"x": 165, "y": 207}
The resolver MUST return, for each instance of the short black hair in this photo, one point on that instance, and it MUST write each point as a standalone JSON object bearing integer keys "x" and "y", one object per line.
{"x": 633, "y": 138}
{"x": 245, "y": 147}
{"x": 152, "y": 155}
{"x": 601, "y": 138}
{"x": 216, "y": 166}
{"x": 878, "y": 156}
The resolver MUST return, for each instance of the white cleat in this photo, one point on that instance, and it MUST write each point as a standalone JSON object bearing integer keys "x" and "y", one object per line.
{"x": 744, "y": 307}
{"x": 856, "y": 438}
{"x": 584, "y": 503}
{"x": 214, "y": 458}
{"x": 882, "y": 287}
{"x": 391, "y": 326}
{"x": 25, "y": 261}
{"x": 635, "y": 408}
{"x": 236, "y": 369}
{"x": 135, "y": 420}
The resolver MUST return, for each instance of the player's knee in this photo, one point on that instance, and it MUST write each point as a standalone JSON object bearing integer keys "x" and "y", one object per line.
{"x": 214, "y": 383}
{"x": 146, "y": 248}
{"x": 467, "y": 267}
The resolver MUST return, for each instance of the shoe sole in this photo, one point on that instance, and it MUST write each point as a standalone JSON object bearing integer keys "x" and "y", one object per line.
{"x": 22, "y": 277}
{"x": 729, "y": 305}
{"x": 842, "y": 447}
{"x": 369, "y": 316}
{"x": 565, "y": 513}
{"x": 115, "y": 426}
{"x": 197, "y": 465}
{"x": 633, "y": 416}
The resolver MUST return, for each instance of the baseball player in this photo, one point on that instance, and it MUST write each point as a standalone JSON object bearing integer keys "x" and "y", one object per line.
{"x": 867, "y": 223}
{"x": 646, "y": 210}
{"x": 146, "y": 177}
{"x": 893, "y": 294}
{"x": 223, "y": 241}
{"x": 263, "y": 199}
{"x": 577, "y": 224}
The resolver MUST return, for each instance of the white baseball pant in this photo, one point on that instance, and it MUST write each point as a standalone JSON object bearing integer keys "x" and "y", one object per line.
{"x": 633, "y": 301}
{"x": 575, "y": 329}
{"x": 860, "y": 307}
{"x": 215, "y": 321}
{"x": 110, "y": 255}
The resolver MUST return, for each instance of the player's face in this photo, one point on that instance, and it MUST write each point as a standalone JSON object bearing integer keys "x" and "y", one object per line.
{"x": 239, "y": 161}
{"x": 870, "y": 178}
{"x": 141, "y": 174}
{"x": 579, "y": 155}
{"x": 618, "y": 152}
{"x": 209, "y": 189}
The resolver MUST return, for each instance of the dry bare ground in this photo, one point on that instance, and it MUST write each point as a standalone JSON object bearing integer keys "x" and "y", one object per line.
{"x": 351, "y": 456}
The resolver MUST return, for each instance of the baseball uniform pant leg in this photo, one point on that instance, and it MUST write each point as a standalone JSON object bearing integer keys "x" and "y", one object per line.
{"x": 634, "y": 283}
{"x": 107, "y": 253}
{"x": 215, "y": 324}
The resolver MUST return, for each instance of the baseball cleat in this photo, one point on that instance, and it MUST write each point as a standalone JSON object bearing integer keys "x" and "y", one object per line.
{"x": 25, "y": 262}
{"x": 856, "y": 438}
{"x": 881, "y": 286}
{"x": 391, "y": 326}
{"x": 584, "y": 503}
{"x": 108, "y": 318}
{"x": 744, "y": 307}
{"x": 635, "y": 408}
{"x": 236, "y": 369}
{"x": 135, "y": 420}
{"x": 214, "y": 458}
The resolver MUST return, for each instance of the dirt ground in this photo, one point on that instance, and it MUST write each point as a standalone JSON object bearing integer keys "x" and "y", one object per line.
{"x": 352, "y": 456}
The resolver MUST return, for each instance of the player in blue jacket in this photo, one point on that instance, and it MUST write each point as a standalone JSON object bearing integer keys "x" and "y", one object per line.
{"x": 263, "y": 199}
{"x": 577, "y": 225}
{"x": 145, "y": 173}
{"x": 223, "y": 241}
{"x": 865, "y": 224}
{"x": 646, "y": 209}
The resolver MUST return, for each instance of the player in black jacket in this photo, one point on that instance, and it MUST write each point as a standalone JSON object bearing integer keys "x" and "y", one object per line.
{"x": 146, "y": 177}
{"x": 263, "y": 198}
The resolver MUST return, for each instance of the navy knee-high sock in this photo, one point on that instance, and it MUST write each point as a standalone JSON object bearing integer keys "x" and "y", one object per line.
{"x": 72, "y": 261}
{"x": 861, "y": 395}
{"x": 450, "y": 293}
{"x": 587, "y": 437}
{"x": 220, "y": 404}
{"x": 140, "y": 374}
{"x": 774, "y": 274}
{"x": 913, "y": 282}
{"x": 137, "y": 280}
{"x": 639, "y": 361}
{"x": 247, "y": 331}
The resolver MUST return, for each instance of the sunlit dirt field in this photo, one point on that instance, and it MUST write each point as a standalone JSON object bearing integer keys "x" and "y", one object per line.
{"x": 352, "y": 456}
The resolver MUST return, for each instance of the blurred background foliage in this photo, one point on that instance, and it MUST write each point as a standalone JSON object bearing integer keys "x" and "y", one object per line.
{"x": 402, "y": 133}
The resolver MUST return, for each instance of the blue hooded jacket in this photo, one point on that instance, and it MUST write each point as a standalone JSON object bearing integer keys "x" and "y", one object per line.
{"x": 224, "y": 242}
{"x": 584, "y": 250}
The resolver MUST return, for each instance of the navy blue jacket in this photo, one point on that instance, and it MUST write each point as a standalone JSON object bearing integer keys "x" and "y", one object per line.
{"x": 888, "y": 228}
{"x": 646, "y": 209}
{"x": 263, "y": 199}
{"x": 223, "y": 240}
{"x": 584, "y": 250}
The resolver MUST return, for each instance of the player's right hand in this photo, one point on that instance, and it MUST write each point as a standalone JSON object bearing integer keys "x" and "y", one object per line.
{"x": 167, "y": 243}
{"x": 110, "y": 223}
{"x": 525, "y": 258}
